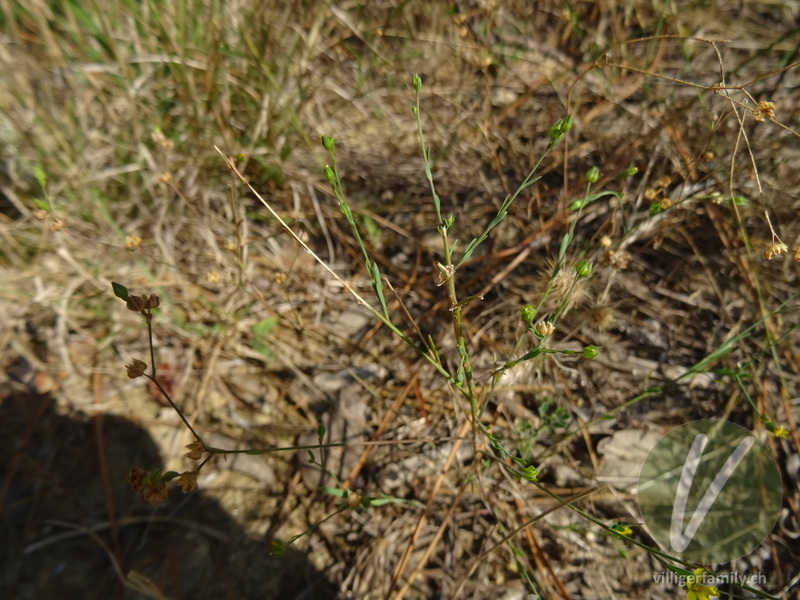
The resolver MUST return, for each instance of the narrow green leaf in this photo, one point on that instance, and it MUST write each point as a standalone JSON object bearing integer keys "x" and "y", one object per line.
{"x": 261, "y": 331}
{"x": 564, "y": 245}
{"x": 377, "y": 285}
{"x": 321, "y": 433}
{"x": 40, "y": 176}
{"x": 265, "y": 326}
{"x": 277, "y": 548}
{"x": 120, "y": 291}
{"x": 334, "y": 492}
{"x": 582, "y": 202}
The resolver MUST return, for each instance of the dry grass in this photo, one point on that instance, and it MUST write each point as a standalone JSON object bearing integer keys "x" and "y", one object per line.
{"x": 121, "y": 109}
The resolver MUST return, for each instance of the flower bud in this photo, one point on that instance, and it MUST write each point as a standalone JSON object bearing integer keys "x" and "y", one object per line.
{"x": 528, "y": 313}
{"x": 531, "y": 473}
{"x": 329, "y": 176}
{"x": 577, "y": 204}
{"x": 559, "y": 128}
{"x": 584, "y": 268}
{"x": 447, "y": 223}
{"x": 592, "y": 175}
{"x": 590, "y": 352}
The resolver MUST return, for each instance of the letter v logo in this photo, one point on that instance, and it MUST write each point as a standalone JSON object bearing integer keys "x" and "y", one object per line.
{"x": 709, "y": 491}
{"x": 678, "y": 537}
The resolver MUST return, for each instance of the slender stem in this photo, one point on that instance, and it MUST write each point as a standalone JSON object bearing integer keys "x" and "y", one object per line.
{"x": 448, "y": 271}
{"x": 458, "y": 329}
{"x": 332, "y": 445}
{"x": 175, "y": 406}
{"x": 149, "y": 318}
{"x": 294, "y": 538}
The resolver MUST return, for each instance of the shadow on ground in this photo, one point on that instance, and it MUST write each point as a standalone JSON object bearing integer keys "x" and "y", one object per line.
{"x": 57, "y": 540}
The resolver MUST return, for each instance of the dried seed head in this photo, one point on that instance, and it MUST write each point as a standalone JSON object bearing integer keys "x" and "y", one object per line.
{"x": 213, "y": 277}
{"x": 156, "y": 494}
{"x": 353, "y": 499}
{"x": 619, "y": 260}
{"x": 136, "y": 368}
{"x": 57, "y": 224}
{"x": 136, "y": 303}
{"x": 151, "y": 484}
{"x": 152, "y": 301}
{"x": 544, "y": 329}
{"x": 136, "y": 478}
{"x": 157, "y": 136}
{"x": 600, "y": 317}
{"x": 163, "y": 141}
{"x": 776, "y": 249}
{"x": 765, "y": 110}
{"x": 196, "y": 450}
{"x": 564, "y": 287}
{"x": 187, "y": 481}
{"x": 561, "y": 282}
{"x": 664, "y": 181}
{"x": 133, "y": 241}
